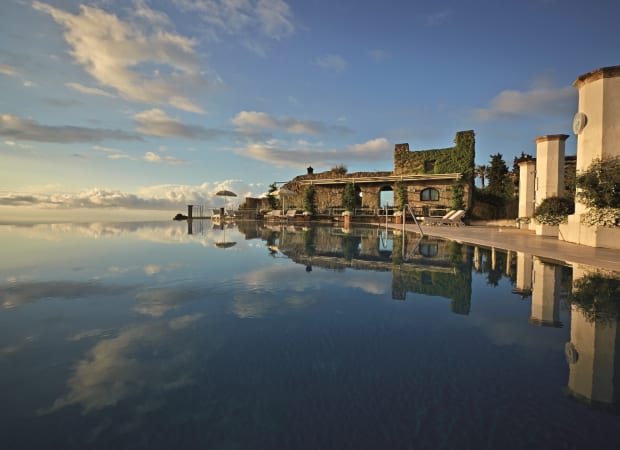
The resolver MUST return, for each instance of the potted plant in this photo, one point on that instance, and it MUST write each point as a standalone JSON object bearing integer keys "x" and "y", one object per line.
{"x": 398, "y": 217}
{"x": 347, "y": 218}
{"x": 551, "y": 212}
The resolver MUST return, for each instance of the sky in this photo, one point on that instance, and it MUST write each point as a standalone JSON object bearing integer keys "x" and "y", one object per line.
{"x": 147, "y": 105}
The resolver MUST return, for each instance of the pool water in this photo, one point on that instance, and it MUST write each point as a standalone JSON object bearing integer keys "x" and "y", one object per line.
{"x": 161, "y": 336}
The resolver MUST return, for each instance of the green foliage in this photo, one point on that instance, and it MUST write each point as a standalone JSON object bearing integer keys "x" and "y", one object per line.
{"x": 554, "y": 210}
{"x": 599, "y": 184}
{"x": 497, "y": 175}
{"x": 400, "y": 195}
{"x": 350, "y": 246}
{"x": 602, "y": 217}
{"x": 457, "y": 159}
{"x": 458, "y": 192}
{"x": 481, "y": 172}
{"x": 597, "y": 297}
{"x": 340, "y": 169}
{"x": 310, "y": 200}
{"x": 273, "y": 201}
{"x": 348, "y": 197}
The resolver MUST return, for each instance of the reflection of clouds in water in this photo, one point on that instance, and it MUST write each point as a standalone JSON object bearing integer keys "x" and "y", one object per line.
{"x": 290, "y": 277}
{"x": 157, "y": 302}
{"x": 18, "y": 294}
{"x": 158, "y": 232}
{"x": 113, "y": 371}
{"x": 154, "y": 269}
{"x": 97, "y": 332}
{"x": 254, "y": 305}
{"x": 263, "y": 287}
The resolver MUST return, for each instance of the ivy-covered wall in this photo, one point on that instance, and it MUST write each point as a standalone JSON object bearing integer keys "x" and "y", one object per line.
{"x": 459, "y": 158}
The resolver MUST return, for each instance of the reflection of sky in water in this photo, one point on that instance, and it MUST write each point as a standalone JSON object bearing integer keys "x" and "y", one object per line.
{"x": 140, "y": 335}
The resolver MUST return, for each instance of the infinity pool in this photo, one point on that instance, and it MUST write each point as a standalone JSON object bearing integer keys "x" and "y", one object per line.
{"x": 164, "y": 336}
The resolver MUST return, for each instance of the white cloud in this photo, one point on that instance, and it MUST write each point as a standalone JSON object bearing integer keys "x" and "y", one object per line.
{"x": 156, "y": 122}
{"x": 155, "y": 158}
{"x": 332, "y": 63}
{"x": 7, "y": 70}
{"x": 168, "y": 197}
{"x": 111, "y": 49}
{"x": 143, "y": 11}
{"x": 251, "y": 121}
{"x": 271, "y": 19}
{"x": 29, "y": 83}
{"x": 275, "y": 153}
{"x": 88, "y": 90}
{"x": 536, "y": 102}
{"x": 30, "y": 130}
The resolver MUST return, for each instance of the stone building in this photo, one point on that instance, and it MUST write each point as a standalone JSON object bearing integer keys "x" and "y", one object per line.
{"x": 427, "y": 179}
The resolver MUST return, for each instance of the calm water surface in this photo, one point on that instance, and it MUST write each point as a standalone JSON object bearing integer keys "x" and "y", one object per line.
{"x": 144, "y": 336}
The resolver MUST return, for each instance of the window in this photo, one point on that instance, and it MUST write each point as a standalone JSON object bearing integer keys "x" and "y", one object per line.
{"x": 429, "y": 250}
{"x": 429, "y": 194}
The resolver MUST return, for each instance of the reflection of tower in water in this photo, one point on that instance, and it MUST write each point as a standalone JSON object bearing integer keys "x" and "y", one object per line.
{"x": 546, "y": 278}
{"x": 593, "y": 356}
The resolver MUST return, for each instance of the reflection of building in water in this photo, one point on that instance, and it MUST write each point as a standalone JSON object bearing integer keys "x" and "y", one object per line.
{"x": 593, "y": 354}
{"x": 432, "y": 267}
{"x": 523, "y": 285}
{"x": 440, "y": 268}
{"x": 546, "y": 288}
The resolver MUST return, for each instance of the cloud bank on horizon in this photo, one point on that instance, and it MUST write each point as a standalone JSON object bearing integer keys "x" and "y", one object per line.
{"x": 153, "y": 97}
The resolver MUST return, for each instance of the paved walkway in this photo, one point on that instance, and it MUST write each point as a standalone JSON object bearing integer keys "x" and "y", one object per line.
{"x": 524, "y": 241}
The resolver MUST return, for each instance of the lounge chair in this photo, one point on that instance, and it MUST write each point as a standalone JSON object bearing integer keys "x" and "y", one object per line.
{"x": 290, "y": 214}
{"x": 455, "y": 219}
{"x": 273, "y": 215}
{"x": 438, "y": 220}
{"x": 230, "y": 214}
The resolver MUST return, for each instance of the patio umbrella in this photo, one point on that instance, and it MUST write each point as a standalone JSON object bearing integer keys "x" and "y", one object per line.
{"x": 282, "y": 193}
{"x": 224, "y": 243}
{"x": 225, "y": 193}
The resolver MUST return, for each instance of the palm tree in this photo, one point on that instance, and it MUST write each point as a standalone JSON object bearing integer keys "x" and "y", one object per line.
{"x": 481, "y": 172}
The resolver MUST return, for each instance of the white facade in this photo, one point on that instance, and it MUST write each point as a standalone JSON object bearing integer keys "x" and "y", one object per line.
{"x": 597, "y": 125}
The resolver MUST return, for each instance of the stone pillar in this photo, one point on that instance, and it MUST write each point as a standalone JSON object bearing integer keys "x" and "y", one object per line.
{"x": 593, "y": 356}
{"x": 549, "y": 173}
{"x": 596, "y": 126}
{"x": 527, "y": 191}
{"x": 546, "y": 294}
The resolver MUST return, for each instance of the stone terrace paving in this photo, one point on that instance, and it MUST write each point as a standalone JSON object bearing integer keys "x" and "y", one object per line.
{"x": 525, "y": 241}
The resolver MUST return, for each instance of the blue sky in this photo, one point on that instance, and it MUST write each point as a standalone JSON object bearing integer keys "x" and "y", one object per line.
{"x": 150, "y": 104}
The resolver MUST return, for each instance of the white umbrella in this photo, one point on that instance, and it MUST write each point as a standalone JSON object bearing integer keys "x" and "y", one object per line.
{"x": 282, "y": 192}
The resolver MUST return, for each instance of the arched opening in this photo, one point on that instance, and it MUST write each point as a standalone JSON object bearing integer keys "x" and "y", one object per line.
{"x": 358, "y": 197}
{"x": 386, "y": 197}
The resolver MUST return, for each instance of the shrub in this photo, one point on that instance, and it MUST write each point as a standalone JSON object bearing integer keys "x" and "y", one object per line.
{"x": 599, "y": 184}
{"x": 597, "y": 296}
{"x": 348, "y": 197}
{"x": 309, "y": 200}
{"x": 602, "y": 217}
{"x": 554, "y": 210}
{"x": 340, "y": 169}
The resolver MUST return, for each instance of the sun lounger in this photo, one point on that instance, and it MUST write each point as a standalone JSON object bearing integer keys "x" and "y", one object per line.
{"x": 437, "y": 220}
{"x": 290, "y": 214}
{"x": 455, "y": 219}
{"x": 274, "y": 215}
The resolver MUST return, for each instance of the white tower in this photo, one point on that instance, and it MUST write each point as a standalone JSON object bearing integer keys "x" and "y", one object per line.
{"x": 597, "y": 126}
